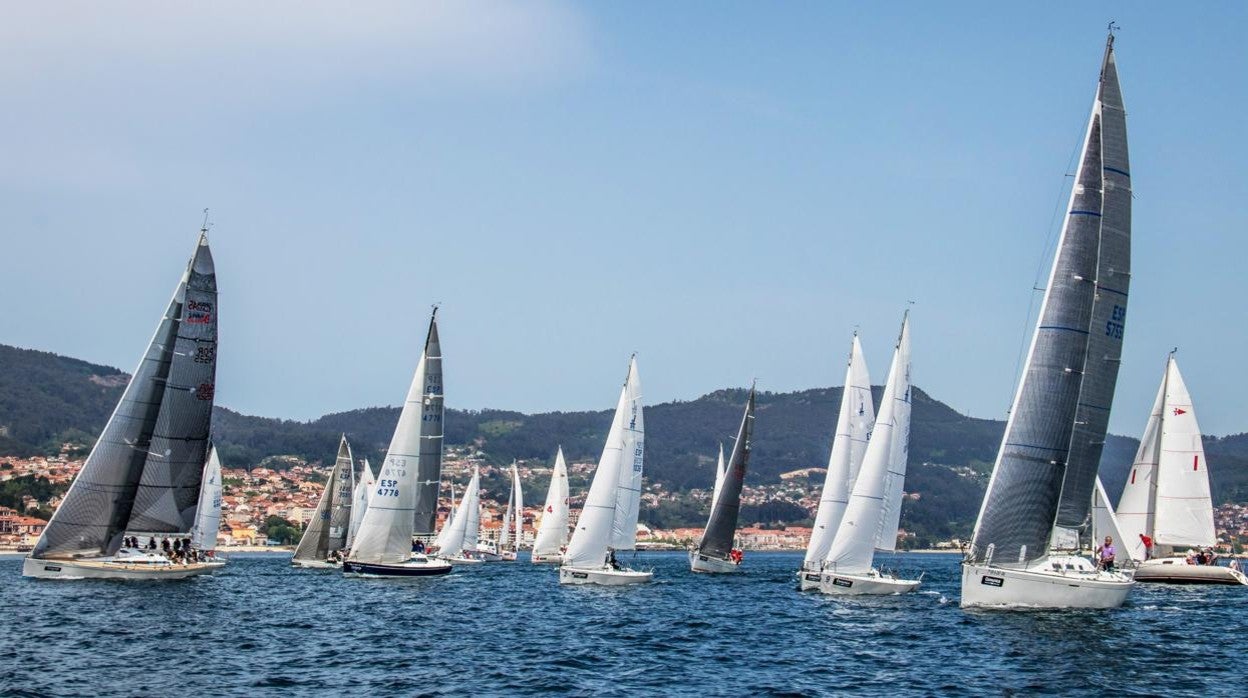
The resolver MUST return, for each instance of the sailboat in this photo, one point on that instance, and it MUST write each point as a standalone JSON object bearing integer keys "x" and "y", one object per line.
{"x": 145, "y": 470}
{"x": 874, "y": 509}
{"x": 325, "y": 537}
{"x": 509, "y": 544}
{"x": 383, "y": 545}
{"x": 1046, "y": 467}
{"x": 552, "y": 530}
{"x": 208, "y": 511}
{"x": 459, "y": 547}
{"x": 359, "y": 504}
{"x": 714, "y": 552}
{"x": 608, "y": 521}
{"x": 853, "y": 429}
{"x": 1166, "y": 496}
{"x": 440, "y": 541}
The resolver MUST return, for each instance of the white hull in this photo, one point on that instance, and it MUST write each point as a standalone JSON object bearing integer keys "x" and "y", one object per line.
{"x": 106, "y": 568}
{"x": 713, "y": 565}
{"x": 1175, "y": 570}
{"x": 808, "y": 580}
{"x": 603, "y": 575}
{"x": 316, "y": 564}
{"x": 463, "y": 561}
{"x": 873, "y": 584}
{"x": 552, "y": 558}
{"x": 1043, "y": 587}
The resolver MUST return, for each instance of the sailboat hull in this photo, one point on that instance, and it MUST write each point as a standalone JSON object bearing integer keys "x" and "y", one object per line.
{"x": 316, "y": 564}
{"x": 546, "y": 559}
{"x": 874, "y": 584}
{"x": 808, "y": 580}
{"x": 422, "y": 567}
{"x": 460, "y": 561}
{"x": 713, "y": 565}
{"x": 604, "y": 576}
{"x": 1175, "y": 570}
{"x": 1040, "y": 586}
{"x": 107, "y": 568}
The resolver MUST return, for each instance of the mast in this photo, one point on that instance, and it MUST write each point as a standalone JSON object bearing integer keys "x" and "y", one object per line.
{"x": 721, "y": 527}
{"x": 1020, "y": 507}
{"x": 94, "y": 515}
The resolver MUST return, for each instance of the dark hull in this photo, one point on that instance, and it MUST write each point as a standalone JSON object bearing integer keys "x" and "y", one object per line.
{"x": 381, "y": 570}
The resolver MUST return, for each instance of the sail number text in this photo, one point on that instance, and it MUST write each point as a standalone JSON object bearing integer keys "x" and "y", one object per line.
{"x": 1113, "y": 327}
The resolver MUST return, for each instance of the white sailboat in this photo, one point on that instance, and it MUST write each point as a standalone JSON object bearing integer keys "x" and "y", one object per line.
{"x": 1166, "y": 496}
{"x": 440, "y": 541}
{"x": 325, "y": 537}
{"x": 608, "y": 521}
{"x": 874, "y": 509}
{"x": 853, "y": 430}
{"x": 1045, "y": 470}
{"x": 508, "y": 541}
{"x": 552, "y": 529}
{"x": 383, "y": 545}
{"x": 714, "y": 552}
{"x": 459, "y": 547}
{"x": 208, "y": 513}
{"x": 144, "y": 473}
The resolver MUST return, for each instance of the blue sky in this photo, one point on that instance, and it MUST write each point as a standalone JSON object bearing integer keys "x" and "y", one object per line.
{"x": 727, "y": 189}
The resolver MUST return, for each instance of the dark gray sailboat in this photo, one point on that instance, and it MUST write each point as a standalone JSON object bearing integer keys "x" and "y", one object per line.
{"x": 1046, "y": 467}
{"x": 326, "y": 535}
{"x": 715, "y": 552}
{"x": 145, "y": 470}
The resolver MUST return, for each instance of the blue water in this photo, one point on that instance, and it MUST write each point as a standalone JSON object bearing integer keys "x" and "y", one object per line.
{"x": 263, "y": 628}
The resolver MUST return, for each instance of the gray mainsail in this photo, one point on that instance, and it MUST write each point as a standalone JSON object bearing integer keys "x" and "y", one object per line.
{"x": 1021, "y": 505}
{"x": 98, "y": 507}
{"x": 429, "y": 465}
{"x": 1109, "y": 309}
{"x": 721, "y": 528}
{"x": 169, "y": 488}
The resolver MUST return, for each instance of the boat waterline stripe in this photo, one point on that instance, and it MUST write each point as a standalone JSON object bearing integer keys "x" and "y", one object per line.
{"x": 1117, "y": 171}
{"x": 1085, "y": 213}
{"x": 1064, "y": 329}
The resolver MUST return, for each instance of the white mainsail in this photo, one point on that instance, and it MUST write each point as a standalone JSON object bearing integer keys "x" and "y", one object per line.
{"x": 874, "y": 508}
{"x": 1167, "y": 496}
{"x": 632, "y": 452}
{"x": 208, "y": 513}
{"x": 440, "y": 541}
{"x": 552, "y": 529}
{"x": 461, "y": 530}
{"x": 853, "y": 430}
{"x": 385, "y": 534}
{"x": 519, "y": 497}
{"x": 600, "y": 520}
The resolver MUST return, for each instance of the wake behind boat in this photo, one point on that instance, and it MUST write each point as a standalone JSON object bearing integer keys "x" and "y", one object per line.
{"x": 1046, "y": 466}
{"x": 383, "y": 545}
{"x": 608, "y": 521}
{"x": 146, "y": 469}
{"x": 714, "y": 552}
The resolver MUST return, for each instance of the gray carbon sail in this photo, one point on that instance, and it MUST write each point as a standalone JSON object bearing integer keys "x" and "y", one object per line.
{"x": 721, "y": 528}
{"x": 96, "y": 511}
{"x": 1109, "y": 309}
{"x": 314, "y": 544}
{"x": 169, "y": 488}
{"x": 429, "y": 467}
{"x": 1020, "y": 506}
{"x": 327, "y": 530}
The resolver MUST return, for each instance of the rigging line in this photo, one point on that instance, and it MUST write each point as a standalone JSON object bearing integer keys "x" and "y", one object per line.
{"x": 1045, "y": 254}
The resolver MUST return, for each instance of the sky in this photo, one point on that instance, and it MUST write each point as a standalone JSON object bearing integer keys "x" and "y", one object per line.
{"x": 727, "y": 189}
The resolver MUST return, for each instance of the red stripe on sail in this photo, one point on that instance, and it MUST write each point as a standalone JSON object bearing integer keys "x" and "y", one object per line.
{"x": 1195, "y": 462}
{"x": 1133, "y": 476}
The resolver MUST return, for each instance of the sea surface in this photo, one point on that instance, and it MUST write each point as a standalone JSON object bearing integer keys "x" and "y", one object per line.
{"x": 261, "y": 627}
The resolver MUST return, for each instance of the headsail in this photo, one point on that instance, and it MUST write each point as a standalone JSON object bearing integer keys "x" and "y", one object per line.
{"x": 875, "y": 502}
{"x": 1184, "y": 506}
{"x": 721, "y": 527}
{"x": 853, "y": 429}
{"x": 1020, "y": 507}
{"x": 359, "y": 502}
{"x": 720, "y": 469}
{"x": 552, "y": 529}
{"x": 208, "y": 512}
{"x": 98, "y": 507}
{"x": 460, "y": 531}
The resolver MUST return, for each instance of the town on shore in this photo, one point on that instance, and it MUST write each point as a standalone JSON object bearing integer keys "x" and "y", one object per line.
{"x": 267, "y": 507}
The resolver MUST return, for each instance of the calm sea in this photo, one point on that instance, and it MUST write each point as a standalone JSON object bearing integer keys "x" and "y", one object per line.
{"x": 263, "y": 628}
